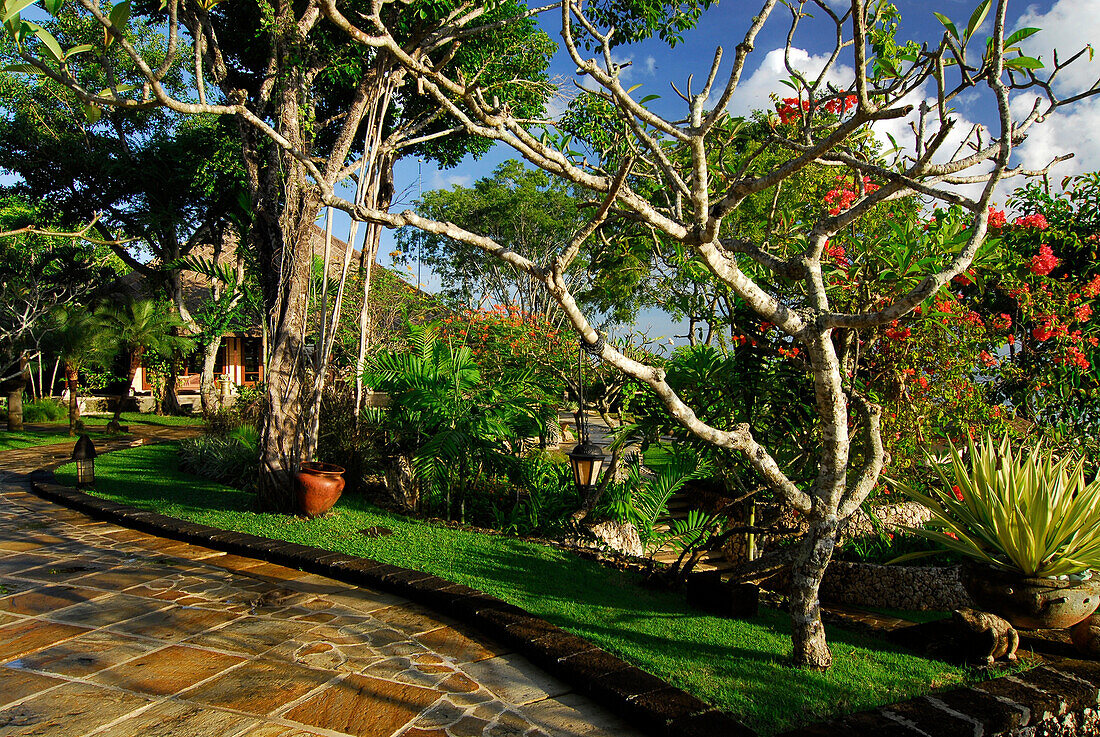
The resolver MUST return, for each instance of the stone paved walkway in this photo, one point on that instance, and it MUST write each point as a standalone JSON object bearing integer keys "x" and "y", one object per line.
{"x": 112, "y": 632}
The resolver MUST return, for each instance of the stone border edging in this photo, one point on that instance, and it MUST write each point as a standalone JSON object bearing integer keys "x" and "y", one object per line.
{"x": 657, "y": 707}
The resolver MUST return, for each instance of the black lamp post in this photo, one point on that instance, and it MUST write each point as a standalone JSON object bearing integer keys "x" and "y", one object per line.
{"x": 586, "y": 458}
{"x": 84, "y": 454}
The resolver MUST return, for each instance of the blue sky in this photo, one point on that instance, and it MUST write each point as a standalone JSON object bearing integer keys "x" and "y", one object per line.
{"x": 1069, "y": 23}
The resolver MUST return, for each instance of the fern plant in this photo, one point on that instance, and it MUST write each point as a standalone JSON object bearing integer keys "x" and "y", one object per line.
{"x": 456, "y": 428}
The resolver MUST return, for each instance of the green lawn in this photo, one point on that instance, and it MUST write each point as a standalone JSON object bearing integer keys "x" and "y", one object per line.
{"x": 140, "y": 418}
{"x": 735, "y": 665}
{"x": 33, "y": 437}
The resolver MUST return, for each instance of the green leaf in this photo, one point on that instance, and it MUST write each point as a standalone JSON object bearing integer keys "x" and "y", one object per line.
{"x": 78, "y": 50}
{"x": 1023, "y": 62}
{"x": 648, "y": 98}
{"x": 947, "y": 24}
{"x": 119, "y": 89}
{"x": 1020, "y": 35}
{"x": 48, "y": 41}
{"x": 23, "y": 69}
{"x": 120, "y": 16}
{"x": 634, "y": 88}
{"x": 13, "y": 8}
{"x": 53, "y": 7}
{"x": 92, "y": 114}
{"x": 976, "y": 19}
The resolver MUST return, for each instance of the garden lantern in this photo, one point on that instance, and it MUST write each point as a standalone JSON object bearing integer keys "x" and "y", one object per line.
{"x": 587, "y": 461}
{"x": 586, "y": 458}
{"x": 84, "y": 454}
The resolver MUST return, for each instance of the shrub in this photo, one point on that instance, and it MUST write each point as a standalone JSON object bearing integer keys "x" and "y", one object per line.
{"x": 44, "y": 410}
{"x": 247, "y": 410}
{"x": 358, "y": 448}
{"x": 231, "y": 458}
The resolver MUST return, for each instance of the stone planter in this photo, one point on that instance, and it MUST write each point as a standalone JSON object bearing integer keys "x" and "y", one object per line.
{"x": 319, "y": 486}
{"x": 1031, "y": 603}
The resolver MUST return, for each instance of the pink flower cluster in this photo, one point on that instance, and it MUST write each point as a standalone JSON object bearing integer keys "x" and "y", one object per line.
{"x": 1045, "y": 262}
{"x": 841, "y": 198}
{"x": 837, "y": 252}
{"x": 1074, "y": 357}
{"x": 789, "y": 108}
{"x": 1036, "y": 221}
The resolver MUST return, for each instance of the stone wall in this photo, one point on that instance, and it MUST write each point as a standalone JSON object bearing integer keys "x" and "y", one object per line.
{"x": 922, "y": 588}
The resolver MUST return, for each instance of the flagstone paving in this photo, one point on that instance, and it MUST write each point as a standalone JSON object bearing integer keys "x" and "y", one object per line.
{"x": 115, "y": 633}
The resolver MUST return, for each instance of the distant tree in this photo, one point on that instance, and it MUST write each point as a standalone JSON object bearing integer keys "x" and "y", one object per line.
{"x": 80, "y": 339}
{"x": 525, "y": 210}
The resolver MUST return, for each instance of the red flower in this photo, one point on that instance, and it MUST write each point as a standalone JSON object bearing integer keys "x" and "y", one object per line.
{"x": 1035, "y": 221}
{"x": 1045, "y": 262}
{"x": 1082, "y": 313}
{"x": 997, "y": 218}
{"x": 958, "y": 492}
{"x": 1092, "y": 289}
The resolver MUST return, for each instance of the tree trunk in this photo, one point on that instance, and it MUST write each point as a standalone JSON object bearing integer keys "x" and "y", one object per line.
{"x": 72, "y": 381}
{"x": 208, "y": 390}
{"x": 15, "y": 389}
{"x": 170, "y": 405}
{"x": 807, "y": 633}
{"x": 816, "y": 548}
{"x": 285, "y": 416}
{"x": 135, "y": 363}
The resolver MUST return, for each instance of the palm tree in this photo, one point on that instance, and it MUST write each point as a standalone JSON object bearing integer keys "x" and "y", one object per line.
{"x": 80, "y": 339}
{"x": 142, "y": 327}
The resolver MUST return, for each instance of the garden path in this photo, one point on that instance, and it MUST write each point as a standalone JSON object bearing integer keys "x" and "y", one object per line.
{"x": 112, "y": 632}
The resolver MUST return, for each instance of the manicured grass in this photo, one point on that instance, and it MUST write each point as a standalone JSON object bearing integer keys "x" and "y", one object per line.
{"x": 141, "y": 418}
{"x": 34, "y": 437}
{"x": 740, "y": 666}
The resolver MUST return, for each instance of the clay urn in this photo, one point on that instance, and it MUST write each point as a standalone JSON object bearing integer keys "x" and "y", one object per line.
{"x": 319, "y": 486}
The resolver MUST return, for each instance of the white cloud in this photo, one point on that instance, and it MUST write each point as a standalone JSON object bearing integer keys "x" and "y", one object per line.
{"x": 447, "y": 180}
{"x": 1069, "y": 26}
{"x": 754, "y": 93}
{"x": 1068, "y": 131}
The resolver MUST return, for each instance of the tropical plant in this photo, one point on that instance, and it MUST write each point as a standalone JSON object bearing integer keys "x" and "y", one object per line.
{"x": 141, "y": 327}
{"x": 229, "y": 458}
{"x": 455, "y": 429}
{"x": 1018, "y": 510}
{"x": 79, "y": 338}
{"x": 43, "y": 410}
{"x": 642, "y": 498}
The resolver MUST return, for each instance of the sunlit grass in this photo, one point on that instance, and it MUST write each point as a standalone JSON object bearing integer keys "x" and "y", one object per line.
{"x": 740, "y": 666}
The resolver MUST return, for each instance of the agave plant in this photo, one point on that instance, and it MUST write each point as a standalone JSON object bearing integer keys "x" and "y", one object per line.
{"x": 1021, "y": 510}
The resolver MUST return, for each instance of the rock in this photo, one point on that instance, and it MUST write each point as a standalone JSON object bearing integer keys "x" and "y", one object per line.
{"x": 621, "y": 537}
{"x": 1086, "y": 636}
{"x": 990, "y": 636}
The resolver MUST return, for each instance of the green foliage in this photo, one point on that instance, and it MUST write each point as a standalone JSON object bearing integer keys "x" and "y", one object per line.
{"x": 525, "y": 210}
{"x": 746, "y": 384}
{"x": 642, "y": 499}
{"x": 1022, "y": 510}
{"x": 457, "y": 429}
{"x": 44, "y": 410}
{"x": 545, "y": 496}
{"x": 232, "y": 458}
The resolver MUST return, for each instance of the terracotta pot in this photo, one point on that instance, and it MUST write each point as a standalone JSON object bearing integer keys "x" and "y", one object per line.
{"x": 319, "y": 486}
{"x": 1031, "y": 603}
